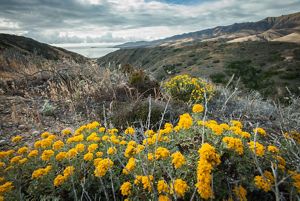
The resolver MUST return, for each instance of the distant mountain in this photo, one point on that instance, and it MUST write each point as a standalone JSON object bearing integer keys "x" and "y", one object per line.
{"x": 268, "y": 29}
{"x": 22, "y": 56}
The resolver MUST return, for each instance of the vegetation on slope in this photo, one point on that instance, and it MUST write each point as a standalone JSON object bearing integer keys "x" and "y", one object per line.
{"x": 272, "y": 66}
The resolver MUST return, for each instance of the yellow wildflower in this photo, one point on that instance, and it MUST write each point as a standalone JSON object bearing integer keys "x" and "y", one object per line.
{"x": 180, "y": 187}
{"x": 162, "y": 186}
{"x": 102, "y": 167}
{"x": 129, "y": 166}
{"x": 22, "y": 150}
{"x": 6, "y": 187}
{"x": 129, "y": 131}
{"x": 197, "y": 108}
{"x": 80, "y": 148}
{"x": 235, "y": 144}
{"x": 57, "y": 145}
{"x": 60, "y": 156}
{"x": 240, "y": 193}
{"x": 257, "y": 148}
{"x": 162, "y": 153}
{"x": 260, "y": 131}
{"x": 185, "y": 121}
{"x": 33, "y": 153}
{"x": 126, "y": 188}
{"x": 111, "y": 151}
{"x": 16, "y": 139}
{"x": 88, "y": 156}
{"x": 273, "y": 149}
{"x": 92, "y": 147}
{"x": 46, "y": 155}
{"x": 177, "y": 159}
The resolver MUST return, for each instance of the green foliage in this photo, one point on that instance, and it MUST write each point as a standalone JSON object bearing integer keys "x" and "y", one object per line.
{"x": 48, "y": 109}
{"x": 251, "y": 77}
{"x": 218, "y": 78}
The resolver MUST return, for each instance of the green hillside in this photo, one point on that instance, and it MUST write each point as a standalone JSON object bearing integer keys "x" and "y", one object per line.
{"x": 268, "y": 67}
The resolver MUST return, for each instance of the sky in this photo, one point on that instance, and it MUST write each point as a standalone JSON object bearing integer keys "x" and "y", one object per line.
{"x": 119, "y": 21}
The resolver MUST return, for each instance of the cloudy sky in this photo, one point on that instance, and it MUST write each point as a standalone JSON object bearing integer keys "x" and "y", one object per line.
{"x": 73, "y": 21}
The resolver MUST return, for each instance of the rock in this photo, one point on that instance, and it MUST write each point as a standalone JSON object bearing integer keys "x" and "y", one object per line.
{"x": 21, "y": 127}
{"x": 35, "y": 133}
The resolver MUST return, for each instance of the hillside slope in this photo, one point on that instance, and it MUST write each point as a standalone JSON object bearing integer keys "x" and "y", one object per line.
{"x": 268, "y": 67}
{"x": 21, "y": 55}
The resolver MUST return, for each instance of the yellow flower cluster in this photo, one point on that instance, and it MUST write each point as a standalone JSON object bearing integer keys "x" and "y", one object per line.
{"x": 47, "y": 154}
{"x": 126, "y": 188}
{"x": 76, "y": 138}
{"x": 235, "y": 144}
{"x": 102, "y": 167}
{"x": 145, "y": 180}
{"x": 180, "y": 187}
{"x": 260, "y": 131}
{"x": 257, "y": 148}
{"x": 185, "y": 121}
{"x": 33, "y": 153}
{"x": 178, "y": 159}
{"x": 160, "y": 136}
{"x": 88, "y": 156}
{"x": 60, "y": 179}
{"x": 132, "y": 149}
{"x": 264, "y": 182}
{"x": 273, "y": 149}
{"x": 208, "y": 160}
{"x": 58, "y": 145}
{"x": 129, "y": 166}
{"x": 186, "y": 88}
{"x": 22, "y": 150}
{"x": 41, "y": 172}
{"x": 296, "y": 179}
{"x": 111, "y": 151}
{"x": 216, "y": 128}
{"x": 66, "y": 131}
{"x": 96, "y": 152}
{"x": 16, "y": 139}
{"x": 293, "y": 135}
{"x": 198, "y": 108}
{"x": 240, "y": 193}
{"x": 162, "y": 187}
{"x": 6, "y": 187}
{"x": 93, "y": 137}
{"x": 163, "y": 198}
{"x": 130, "y": 131}
{"x": 162, "y": 153}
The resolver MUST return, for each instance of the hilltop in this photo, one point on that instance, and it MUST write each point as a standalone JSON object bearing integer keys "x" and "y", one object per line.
{"x": 21, "y": 55}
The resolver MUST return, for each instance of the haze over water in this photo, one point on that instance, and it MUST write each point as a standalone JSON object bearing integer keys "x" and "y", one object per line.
{"x": 90, "y": 50}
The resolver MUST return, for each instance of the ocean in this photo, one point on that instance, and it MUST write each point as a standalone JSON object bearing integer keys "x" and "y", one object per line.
{"x": 90, "y": 50}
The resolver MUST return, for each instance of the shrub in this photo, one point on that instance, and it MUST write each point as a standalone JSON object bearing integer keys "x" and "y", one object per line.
{"x": 223, "y": 161}
{"x": 188, "y": 89}
{"x": 218, "y": 77}
{"x": 143, "y": 83}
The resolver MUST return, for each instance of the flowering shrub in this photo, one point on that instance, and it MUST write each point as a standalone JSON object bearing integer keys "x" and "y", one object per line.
{"x": 188, "y": 89}
{"x": 222, "y": 161}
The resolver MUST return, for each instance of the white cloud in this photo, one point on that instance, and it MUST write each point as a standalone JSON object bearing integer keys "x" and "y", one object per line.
{"x": 128, "y": 20}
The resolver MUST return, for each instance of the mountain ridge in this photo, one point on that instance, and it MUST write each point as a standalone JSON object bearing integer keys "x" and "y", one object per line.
{"x": 290, "y": 23}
